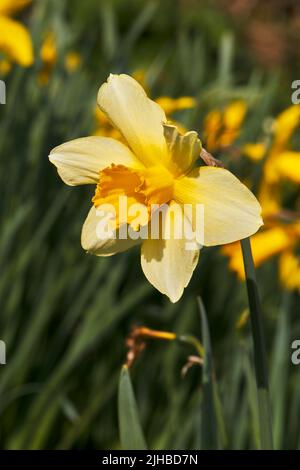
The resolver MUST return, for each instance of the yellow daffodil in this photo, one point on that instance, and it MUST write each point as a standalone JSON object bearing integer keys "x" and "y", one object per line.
{"x": 72, "y": 61}
{"x": 275, "y": 240}
{"x": 265, "y": 245}
{"x": 254, "y": 151}
{"x": 171, "y": 105}
{"x": 289, "y": 270}
{"x": 5, "y": 67}
{"x": 168, "y": 104}
{"x": 281, "y": 163}
{"x": 285, "y": 124}
{"x": 157, "y": 166}
{"x": 221, "y": 128}
{"x": 15, "y": 40}
{"x": 49, "y": 55}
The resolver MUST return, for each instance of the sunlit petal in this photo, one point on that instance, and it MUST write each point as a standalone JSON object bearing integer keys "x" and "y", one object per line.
{"x": 169, "y": 263}
{"x": 231, "y": 211}
{"x": 184, "y": 149}
{"x": 98, "y": 239}
{"x": 137, "y": 117}
{"x": 79, "y": 161}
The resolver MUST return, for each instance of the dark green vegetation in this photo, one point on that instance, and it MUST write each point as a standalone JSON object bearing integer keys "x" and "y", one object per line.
{"x": 65, "y": 314}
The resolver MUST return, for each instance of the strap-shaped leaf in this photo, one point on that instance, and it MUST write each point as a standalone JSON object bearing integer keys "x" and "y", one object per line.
{"x": 131, "y": 433}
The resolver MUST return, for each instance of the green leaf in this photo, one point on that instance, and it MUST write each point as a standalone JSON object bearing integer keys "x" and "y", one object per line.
{"x": 209, "y": 431}
{"x": 131, "y": 433}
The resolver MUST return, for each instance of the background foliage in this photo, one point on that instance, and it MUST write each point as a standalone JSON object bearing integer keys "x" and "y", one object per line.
{"x": 64, "y": 314}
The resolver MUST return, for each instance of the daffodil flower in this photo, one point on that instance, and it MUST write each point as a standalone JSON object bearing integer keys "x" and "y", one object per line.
{"x": 157, "y": 166}
{"x": 168, "y": 104}
{"x": 221, "y": 128}
{"x": 277, "y": 240}
{"x": 15, "y": 39}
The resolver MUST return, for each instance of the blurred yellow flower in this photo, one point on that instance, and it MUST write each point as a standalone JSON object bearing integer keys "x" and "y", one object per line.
{"x": 15, "y": 40}
{"x": 289, "y": 269}
{"x": 285, "y": 124}
{"x": 5, "y": 67}
{"x": 276, "y": 240}
{"x": 72, "y": 61}
{"x": 156, "y": 166}
{"x": 221, "y": 128}
{"x": 48, "y": 51}
{"x": 254, "y": 151}
{"x": 49, "y": 56}
{"x": 281, "y": 163}
{"x": 171, "y": 105}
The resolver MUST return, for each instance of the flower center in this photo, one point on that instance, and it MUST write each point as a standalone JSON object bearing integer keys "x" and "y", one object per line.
{"x": 150, "y": 187}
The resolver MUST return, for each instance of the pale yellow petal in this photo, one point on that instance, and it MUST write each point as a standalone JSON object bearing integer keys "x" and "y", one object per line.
{"x": 169, "y": 263}
{"x": 15, "y": 41}
{"x": 99, "y": 240}
{"x": 184, "y": 149}
{"x": 138, "y": 118}
{"x": 79, "y": 161}
{"x": 231, "y": 211}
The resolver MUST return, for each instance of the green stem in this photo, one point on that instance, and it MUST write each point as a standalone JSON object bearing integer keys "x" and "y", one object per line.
{"x": 193, "y": 341}
{"x": 260, "y": 361}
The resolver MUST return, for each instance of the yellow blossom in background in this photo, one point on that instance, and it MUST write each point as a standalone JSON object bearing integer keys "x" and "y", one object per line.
{"x": 254, "y": 151}
{"x": 270, "y": 199}
{"x": 281, "y": 160}
{"x": 15, "y": 40}
{"x": 289, "y": 269}
{"x": 285, "y": 124}
{"x": 11, "y": 7}
{"x": 156, "y": 166}
{"x": 5, "y": 67}
{"x": 277, "y": 240}
{"x": 281, "y": 163}
{"x": 72, "y": 61}
{"x": 221, "y": 128}
{"x": 48, "y": 51}
{"x": 171, "y": 105}
{"x": 49, "y": 57}
{"x": 265, "y": 245}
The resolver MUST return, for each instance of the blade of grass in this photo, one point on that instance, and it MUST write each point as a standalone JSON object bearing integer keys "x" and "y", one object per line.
{"x": 260, "y": 361}
{"x": 279, "y": 373}
{"x": 209, "y": 431}
{"x": 131, "y": 433}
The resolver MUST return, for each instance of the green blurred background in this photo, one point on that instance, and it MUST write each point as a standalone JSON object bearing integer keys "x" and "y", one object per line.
{"x": 65, "y": 314}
